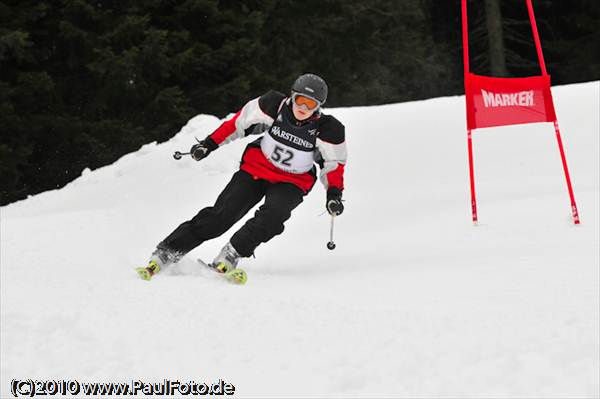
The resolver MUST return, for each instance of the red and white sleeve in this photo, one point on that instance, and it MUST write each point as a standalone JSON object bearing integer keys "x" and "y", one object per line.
{"x": 235, "y": 127}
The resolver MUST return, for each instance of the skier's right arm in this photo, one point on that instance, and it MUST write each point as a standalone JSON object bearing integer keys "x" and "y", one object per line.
{"x": 254, "y": 118}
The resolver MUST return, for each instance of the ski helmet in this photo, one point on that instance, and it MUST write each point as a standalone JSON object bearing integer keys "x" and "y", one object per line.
{"x": 312, "y": 86}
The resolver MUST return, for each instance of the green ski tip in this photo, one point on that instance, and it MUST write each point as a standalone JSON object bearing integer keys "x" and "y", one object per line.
{"x": 147, "y": 272}
{"x": 143, "y": 273}
{"x": 236, "y": 276}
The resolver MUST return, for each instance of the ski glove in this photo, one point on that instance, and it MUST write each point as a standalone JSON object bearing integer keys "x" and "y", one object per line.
{"x": 334, "y": 204}
{"x": 201, "y": 150}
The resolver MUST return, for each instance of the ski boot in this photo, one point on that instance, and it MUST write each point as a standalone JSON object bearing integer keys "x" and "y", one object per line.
{"x": 159, "y": 260}
{"x": 147, "y": 272}
{"x": 226, "y": 264}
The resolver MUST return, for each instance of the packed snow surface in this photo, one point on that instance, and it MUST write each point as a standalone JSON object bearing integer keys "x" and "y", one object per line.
{"x": 415, "y": 301}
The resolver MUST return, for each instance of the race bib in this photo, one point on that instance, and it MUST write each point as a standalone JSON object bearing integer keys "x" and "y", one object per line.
{"x": 288, "y": 158}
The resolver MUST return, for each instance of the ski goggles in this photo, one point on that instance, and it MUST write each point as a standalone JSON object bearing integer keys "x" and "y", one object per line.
{"x": 301, "y": 99}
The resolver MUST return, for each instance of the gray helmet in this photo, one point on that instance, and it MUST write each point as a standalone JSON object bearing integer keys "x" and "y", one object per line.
{"x": 312, "y": 86}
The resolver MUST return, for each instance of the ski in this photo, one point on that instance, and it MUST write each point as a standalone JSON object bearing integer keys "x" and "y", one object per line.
{"x": 235, "y": 276}
{"x": 143, "y": 273}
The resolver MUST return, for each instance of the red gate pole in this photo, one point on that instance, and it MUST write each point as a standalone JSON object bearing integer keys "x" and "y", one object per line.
{"x": 465, "y": 38}
{"x": 566, "y": 169}
{"x": 536, "y": 38}
{"x": 538, "y": 47}
{"x": 472, "y": 178}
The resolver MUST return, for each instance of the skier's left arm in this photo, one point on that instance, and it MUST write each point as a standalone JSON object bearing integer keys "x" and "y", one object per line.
{"x": 331, "y": 145}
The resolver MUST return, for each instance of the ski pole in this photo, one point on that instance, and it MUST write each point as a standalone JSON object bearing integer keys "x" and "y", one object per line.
{"x": 331, "y": 244}
{"x": 178, "y": 155}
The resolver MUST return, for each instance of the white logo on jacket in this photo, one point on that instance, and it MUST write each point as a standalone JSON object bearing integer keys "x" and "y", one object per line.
{"x": 276, "y": 131}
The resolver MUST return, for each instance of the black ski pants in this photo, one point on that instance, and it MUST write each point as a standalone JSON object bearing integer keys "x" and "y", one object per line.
{"x": 240, "y": 195}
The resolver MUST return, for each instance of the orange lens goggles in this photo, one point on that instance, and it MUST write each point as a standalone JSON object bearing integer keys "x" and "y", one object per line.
{"x": 310, "y": 103}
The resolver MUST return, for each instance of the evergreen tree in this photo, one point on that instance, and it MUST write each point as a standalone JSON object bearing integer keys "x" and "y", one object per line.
{"x": 83, "y": 82}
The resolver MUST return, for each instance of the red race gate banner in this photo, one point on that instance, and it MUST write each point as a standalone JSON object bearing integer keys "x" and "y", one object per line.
{"x": 507, "y": 101}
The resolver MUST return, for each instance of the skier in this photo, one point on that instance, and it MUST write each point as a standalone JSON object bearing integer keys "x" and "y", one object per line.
{"x": 279, "y": 166}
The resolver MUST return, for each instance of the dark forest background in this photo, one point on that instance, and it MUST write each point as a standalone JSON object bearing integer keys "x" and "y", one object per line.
{"x": 84, "y": 82}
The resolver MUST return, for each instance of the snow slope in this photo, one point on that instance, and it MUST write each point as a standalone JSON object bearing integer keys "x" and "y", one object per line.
{"x": 414, "y": 302}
